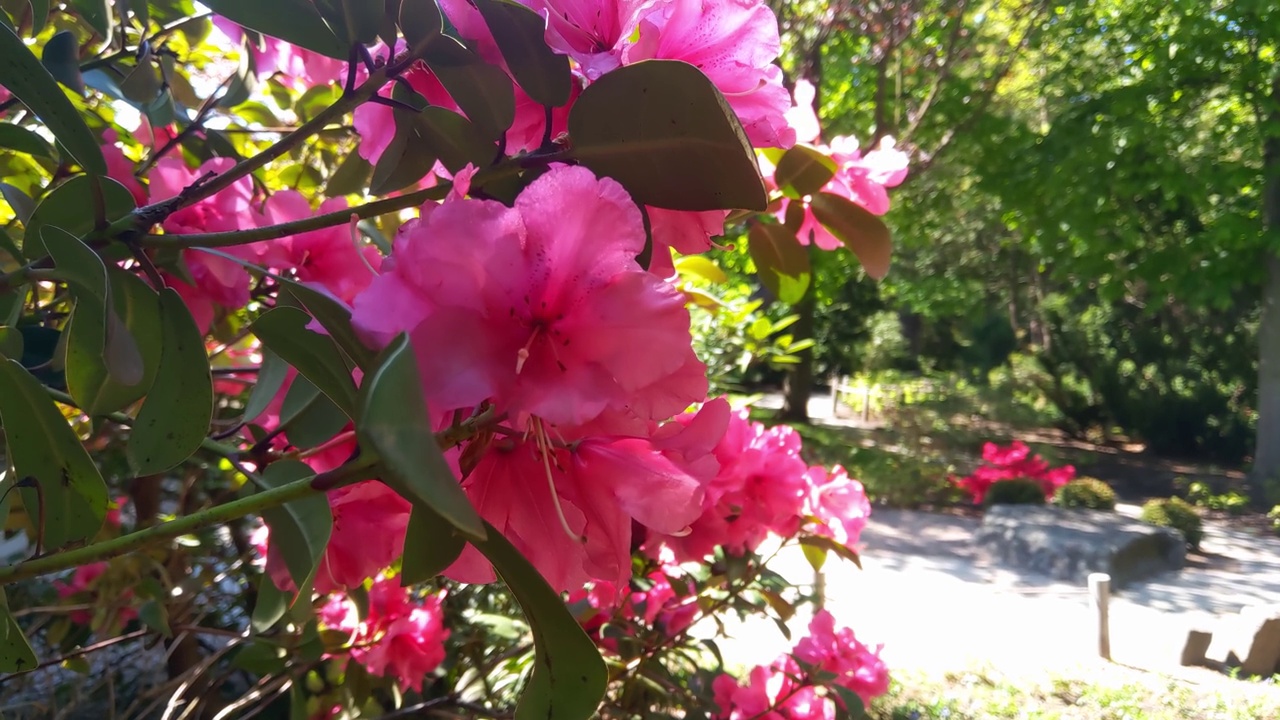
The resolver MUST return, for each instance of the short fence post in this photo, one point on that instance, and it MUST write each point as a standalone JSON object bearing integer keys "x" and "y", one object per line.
{"x": 1100, "y": 598}
{"x": 866, "y": 402}
{"x": 835, "y": 395}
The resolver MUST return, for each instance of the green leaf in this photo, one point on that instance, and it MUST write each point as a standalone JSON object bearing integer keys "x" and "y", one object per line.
{"x": 260, "y": 658}
{"x": 84, "y": 271}
{"x": 393, "y": 421}
{"x": 350, "y": 177}
{"x": 431, "y": 544}
{"x": 781, "y": 261}
{"x": 300, "y": 528}
{"x": 16, "y": 137}
{"x": 666, "y": 133}
{"x": 270, "y": 606}
{"x": 16, "y": 655}
{"x": 271, "y": 376}
{"x": 174, "y": 418}
{"x": 359, "y": 18}
{"x": 421, "y": 21}
{"x": 284, "y": 330}
{"x": 22, "y": 204}
{"x": 155, "y": 615}
{"x": 11, "y": 342}
{"x": 71, "y": 496}
{"x": 703, "y": 267}
{"x": 31, "y": 83}
{"x": 407, "y": 159}
{"x": 826, "y": 544}
{"x": 569, "y": 675}
{"x": 294, "y": 21}
{"x": 335, "y": 318}
{"x": 89, "y": 381}
{"x": 69, "y": 207}
{"x": 309, "y": 417}
{"x": 454, "y": 139}
{"x": 848, "y": 705}
{"x": 803, "y": 171}
{"x": 520, "y": 34}
{"x": 859, "y": 230}
{"x": 97, "y": 13}
{"x": 244, "y": 80}
{"x": 483, "y": 92}
{"x": 61, "y": 57}
{"x": 143, "y": 84}
{"x": 39, "y": 15}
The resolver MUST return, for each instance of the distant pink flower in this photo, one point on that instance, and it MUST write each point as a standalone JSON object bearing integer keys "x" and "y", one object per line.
{"x": 543, "y": 311}
{"x": 114, "y": 511}
{"x": 802, "y": 117}
{"x": 838, "y": 503}
{"x": 402, "y": 637}
{"x": 328, "y": 257}
{"x": 856, "y": 666}
{"x": 1010, "y": 463}
{"x": 82, "y": 586}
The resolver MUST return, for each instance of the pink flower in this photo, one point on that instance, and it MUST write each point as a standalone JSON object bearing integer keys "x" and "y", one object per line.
{"x": 402, "y": 637}
{"x": 838, "y": 503}
{"x": 300, "y": 68}
{"x": 369, "y": 523}
{"x": 328, "y": 257}
{"x": 114, "y": 510}
{"x": 856, "y": 666}
{"x": 218, "y": 281}
{"x": 688, "y": 233}
{"x": 802, "y": 117}
{"x": 120, "y": 168}
{"x": 770, "y": 693}
{"x": 543, "y": 311}
{"x": 1010, "y": 463}
{"x": 82, "y": 585}
{"x": 760, "y": 488}
{"x": 570, "y": 509}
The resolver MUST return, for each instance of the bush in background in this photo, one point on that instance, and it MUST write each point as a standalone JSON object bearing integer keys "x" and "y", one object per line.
{"x": 1175, "y": 513}
{"x": 1086, "y": 492}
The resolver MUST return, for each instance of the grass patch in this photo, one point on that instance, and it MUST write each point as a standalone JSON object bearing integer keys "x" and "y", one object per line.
{"x": 978, "y": 695}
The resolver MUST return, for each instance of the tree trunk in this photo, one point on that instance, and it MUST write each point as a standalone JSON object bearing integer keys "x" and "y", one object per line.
{"x": 1265, "y": 478}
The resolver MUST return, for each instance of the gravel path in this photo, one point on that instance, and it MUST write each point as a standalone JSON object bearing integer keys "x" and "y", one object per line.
{"x": 938, "y": 606}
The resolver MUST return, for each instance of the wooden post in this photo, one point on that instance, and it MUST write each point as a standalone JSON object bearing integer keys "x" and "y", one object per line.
{"x": 1100, "y": 597}
{"x": 866, "y": 402}
{"x": 835, "y": 395}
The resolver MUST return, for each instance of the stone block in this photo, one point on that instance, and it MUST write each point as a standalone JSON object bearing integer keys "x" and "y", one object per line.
{"x": 1250, "y": 641}
{"x": 1068, "y": 543}
{"x": 1195, "y": 651}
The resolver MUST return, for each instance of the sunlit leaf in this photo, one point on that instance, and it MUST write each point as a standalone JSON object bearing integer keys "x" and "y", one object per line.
{"x": 859, "y": 230}
{"x": 802, "y": 171}
{"x": 97, "y": 13}
{"x": 782, "y": 262}
{"x": 31, "y": 83}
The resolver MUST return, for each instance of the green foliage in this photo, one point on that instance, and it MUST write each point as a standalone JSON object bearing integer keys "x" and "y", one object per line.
{"x": 781, "y": 262}
{"x": 1175, "y": 513}
{"x": 1202, "y": 495}
{"x": 1017, "y": 491}
{"x": 1086, "y": 492}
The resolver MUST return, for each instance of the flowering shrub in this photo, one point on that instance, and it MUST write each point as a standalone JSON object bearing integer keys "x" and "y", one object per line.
{"x": 468, "y": 362}
{"x": 1009, "y": 463}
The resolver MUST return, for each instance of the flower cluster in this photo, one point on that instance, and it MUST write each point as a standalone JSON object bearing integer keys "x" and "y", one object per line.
{"x": 1013, "y": 462}
{"x": 801, "y": 685}
{"x": 764, "y": 487}
{"x": 401, "y": 637}
{"x": 84, "y": 586}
